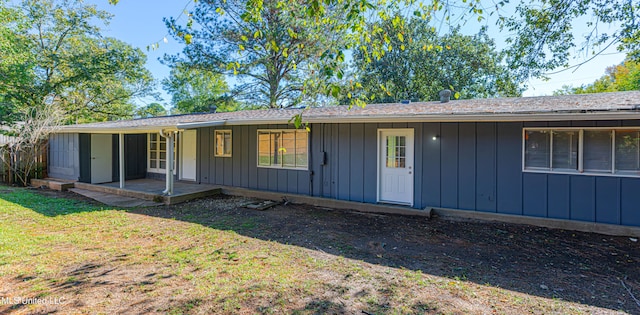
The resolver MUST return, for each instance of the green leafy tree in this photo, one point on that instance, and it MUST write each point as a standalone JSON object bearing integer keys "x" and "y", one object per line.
{"x": 622, "y": 77}
{"x": 419, "y": 64}
{"x": 626, "y": 76}
{"x": 540, "y": 33}
{"x": 195, "y": 90}
{"x": 14, "y": 60}
{"x": 272, "y": 46}
{"x": 151, "y": 110}
{"x": 56, "y": 55}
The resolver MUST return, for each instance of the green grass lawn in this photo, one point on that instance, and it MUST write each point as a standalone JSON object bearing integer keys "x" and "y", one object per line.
{"x": 101, "y": 260}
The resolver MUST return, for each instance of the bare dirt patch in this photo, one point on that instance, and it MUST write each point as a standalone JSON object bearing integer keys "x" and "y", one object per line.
{"x": 585, "y": 268}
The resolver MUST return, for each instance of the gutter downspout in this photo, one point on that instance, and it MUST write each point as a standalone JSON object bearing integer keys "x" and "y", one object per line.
{"x": 169, "y": 169}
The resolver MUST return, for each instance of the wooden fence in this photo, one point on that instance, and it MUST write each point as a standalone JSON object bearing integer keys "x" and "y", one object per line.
{"x": 4, "y": 139}
{"x": 20, "y": 161}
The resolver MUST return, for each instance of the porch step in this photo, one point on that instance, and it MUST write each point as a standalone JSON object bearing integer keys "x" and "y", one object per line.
{"x": 52, "y": 183}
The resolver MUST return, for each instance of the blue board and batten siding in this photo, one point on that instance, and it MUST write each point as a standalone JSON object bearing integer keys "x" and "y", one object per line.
{"x": 470, "y": 166}
{"x": 64, "y": 156}
{"x": 240, "y": 170}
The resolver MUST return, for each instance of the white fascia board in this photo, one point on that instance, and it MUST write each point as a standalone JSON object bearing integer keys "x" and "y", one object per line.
{"x": 479, "y": 117}
{"x": 616, "y": 115}
{"x": 128, "y": 130}
{"x": 201, "y": 124}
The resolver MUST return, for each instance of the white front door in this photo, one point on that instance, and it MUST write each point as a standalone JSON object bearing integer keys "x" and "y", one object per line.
{"x": 101, "y": 159}
{"x": 395, "y": 166}
{"x": 188, "y": 165}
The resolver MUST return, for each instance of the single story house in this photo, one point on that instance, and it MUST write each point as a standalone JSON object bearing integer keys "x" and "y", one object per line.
{"x": 574, "y": 157}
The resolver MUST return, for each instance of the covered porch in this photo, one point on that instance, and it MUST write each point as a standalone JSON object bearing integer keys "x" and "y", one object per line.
{"x": 152, "y": 190}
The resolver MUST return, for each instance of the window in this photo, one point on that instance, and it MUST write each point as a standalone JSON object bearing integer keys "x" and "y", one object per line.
{"x": 396, "y": 151}
{"x": 582, "y": 150}
{"x": 537, "y": 148}
{"x": 627, "y": 150}
{"x": 283, "y": 149}
{"x": 158, "y": 153}
{"x": 223, "y": 143}
{"x": 597, "y": 150}
{"x": 565, "y": 149}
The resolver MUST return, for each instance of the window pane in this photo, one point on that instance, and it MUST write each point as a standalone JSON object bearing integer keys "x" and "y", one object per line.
{"x": 537, "y": 145}
{"x": 222, "y": 143}
{"x": 275, "y": 149}
{"x": 227, "y": 143}
{"x": 628, "y": 150}
{"x": 163, "y": 145}
{"x": 597, "y": 150}
{"x": 288, "y": 149}
{"x": 163, "y": 155}
{"x": 565, "y": 149}
{"x": 152, "y": 164}
{"x": 391, "y": 153}
{"x": 163, "y": 164}
{"x": 218, "y": 147}
{"x": 153, "y": 155}
{"x": 302, "y": 157}
{"x": 264, "y": 148}
{"x": 283, "y": 148}
{"x": 395, "y": 151}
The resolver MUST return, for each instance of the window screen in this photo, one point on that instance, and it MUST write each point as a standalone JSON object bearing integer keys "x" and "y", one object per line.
{"x": 537, "y": 148}
{"x": 627, "y": 150}
{"x": 597, "y": 150}
{"x": 565, "y": 150}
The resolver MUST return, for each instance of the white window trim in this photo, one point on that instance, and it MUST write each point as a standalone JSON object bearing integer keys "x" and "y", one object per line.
{"x": 159, "y": 170}
{"x": 215, "y": 144}
{"x": 580, "y": 170}
{"x": 281, "y": 167}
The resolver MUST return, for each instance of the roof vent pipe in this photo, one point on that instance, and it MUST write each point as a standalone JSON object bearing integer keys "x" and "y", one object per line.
{"x": 445, "y": 95}
{"x": 213, "y": 108}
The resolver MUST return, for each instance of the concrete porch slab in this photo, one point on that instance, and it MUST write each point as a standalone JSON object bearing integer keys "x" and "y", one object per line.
{"x": 115, "y": 200}
{"x": 151, "y": 189}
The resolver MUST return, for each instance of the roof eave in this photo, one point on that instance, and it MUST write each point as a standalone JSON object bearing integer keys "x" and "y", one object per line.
{"x": 509, "y": 117}
{"x": 113, "y": 130}
{"x": 201, "y": 124}
{"x": 475, "y": 117}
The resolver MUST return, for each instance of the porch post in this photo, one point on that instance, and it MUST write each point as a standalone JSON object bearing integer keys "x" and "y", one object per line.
{"x": 170, "y": 153}
{"x": 121, "y": 153}
{"x": 169, "y": 169}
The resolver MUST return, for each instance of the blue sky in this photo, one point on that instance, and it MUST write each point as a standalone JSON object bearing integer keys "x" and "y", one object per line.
{"x": 139, "y": 23}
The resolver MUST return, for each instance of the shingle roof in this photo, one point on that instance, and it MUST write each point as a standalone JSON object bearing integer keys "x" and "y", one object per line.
{"x": 575, "y": 106}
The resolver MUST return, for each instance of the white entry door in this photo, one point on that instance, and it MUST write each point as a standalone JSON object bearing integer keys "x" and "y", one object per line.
{"x": 188, "y": 157}
{"x": 395, "y": 166}
{"x": 101, "y": 159}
